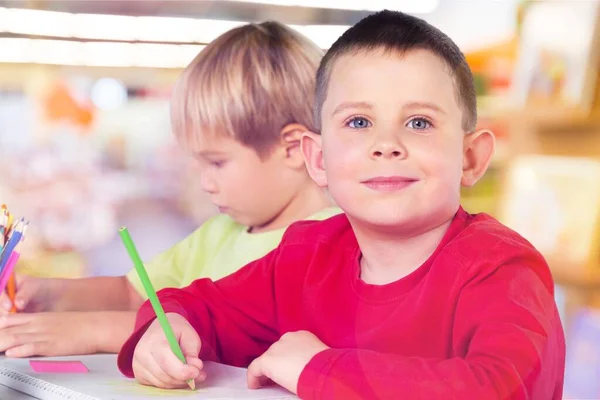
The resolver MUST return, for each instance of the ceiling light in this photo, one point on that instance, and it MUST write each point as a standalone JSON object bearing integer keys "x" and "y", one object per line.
{"x": 96, "y": 54}
{"x": 143, "y": 29}
{"x": 407, "y": 6}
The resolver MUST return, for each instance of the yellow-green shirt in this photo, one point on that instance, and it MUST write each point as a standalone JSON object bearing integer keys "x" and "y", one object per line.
{"x": 218, "y": 248}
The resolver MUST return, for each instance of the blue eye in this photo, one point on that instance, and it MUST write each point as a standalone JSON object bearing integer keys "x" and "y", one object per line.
{"x": 419, "y": 124}
{"x": 359, "y": 123}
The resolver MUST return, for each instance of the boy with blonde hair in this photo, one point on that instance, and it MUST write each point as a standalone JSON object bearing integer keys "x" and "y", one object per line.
{"x": 240, "y": 108}
{"x": 406, "y": 295}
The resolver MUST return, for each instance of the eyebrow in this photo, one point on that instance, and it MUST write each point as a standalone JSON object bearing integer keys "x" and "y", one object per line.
{"x": 210, "y": 153}
{"x": 365, "y": 105}
{"x": 351, "y": 104}
{"x": 424, "y": 104}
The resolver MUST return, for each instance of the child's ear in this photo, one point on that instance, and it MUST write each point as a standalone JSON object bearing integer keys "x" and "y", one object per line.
{"x": 291, "y": 135}
{"x": 478, "y": 150}
{"x": 313, "y": 156}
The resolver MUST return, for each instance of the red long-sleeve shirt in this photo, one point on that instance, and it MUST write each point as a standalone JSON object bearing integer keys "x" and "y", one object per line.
{"x": 476, "y": 321}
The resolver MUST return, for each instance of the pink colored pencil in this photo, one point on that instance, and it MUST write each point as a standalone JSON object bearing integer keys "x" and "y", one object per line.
{"x": 10, "y": 265}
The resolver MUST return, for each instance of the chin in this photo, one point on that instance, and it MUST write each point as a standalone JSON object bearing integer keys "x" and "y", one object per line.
{"x": 241, "y": 220}
{"x": 235, "y": 216}
{"x": 249, "y": 221}
{"x": 386, "y": 222}
{"x": 398, "y": 220}
{"x": 384, "y": 217}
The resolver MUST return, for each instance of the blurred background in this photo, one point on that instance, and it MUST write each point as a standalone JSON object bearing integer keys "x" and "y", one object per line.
{"x": 86, "y": 146}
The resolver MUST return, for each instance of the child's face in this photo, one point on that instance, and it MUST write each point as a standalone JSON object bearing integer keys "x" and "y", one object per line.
{"x": 392, "y": 140}
{"x": 239, "y": 182}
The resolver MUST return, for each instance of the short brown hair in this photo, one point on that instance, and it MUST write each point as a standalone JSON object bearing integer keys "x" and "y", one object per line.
{"x": 399, "y": 32}
{"x": 248, "y": 83}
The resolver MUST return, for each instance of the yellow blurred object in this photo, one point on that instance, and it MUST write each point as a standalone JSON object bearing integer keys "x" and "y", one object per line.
{"x": 53, "y": 265}
{"x": 10, "y": 216}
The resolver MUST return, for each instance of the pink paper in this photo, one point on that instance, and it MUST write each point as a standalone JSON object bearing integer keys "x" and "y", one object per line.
{"x": 58, "y": 366}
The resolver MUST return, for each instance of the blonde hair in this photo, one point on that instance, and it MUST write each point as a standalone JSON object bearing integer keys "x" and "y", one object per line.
{"x": 248, "y": 83}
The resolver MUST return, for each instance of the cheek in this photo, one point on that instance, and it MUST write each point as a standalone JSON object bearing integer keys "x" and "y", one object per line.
{"x": 231, "y": 178}
{"x": 254, "y": 179}
{"x": 441, "y": 163}
{"x": 343, "y": 157}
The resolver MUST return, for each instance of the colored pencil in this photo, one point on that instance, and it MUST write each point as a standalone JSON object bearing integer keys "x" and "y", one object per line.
{"x": 12, "y": 235}
{"x": 151, "y": 293}
{"x": 7, "y": 274}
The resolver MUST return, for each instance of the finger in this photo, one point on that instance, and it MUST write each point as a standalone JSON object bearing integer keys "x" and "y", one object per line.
{"x": 145, "y": 377}
{"x": 7, "y": 321}
{"x": 190, "y": 346}
{"x": 195, "y": 361}
{"x": 176, "y": 369}
{"x": 30, "y": 349}
{"x": 15, "y": 336}
{"x": 5, "y": 303}
{"x": 10, "y": 340}
{"x": 12, "y": 331}
{"x": 147, "y": 371}
{"x": 256, "y": 376}
{"x": 165, "y": 380}
{"x": 190, "y": 342}
{"x": 22, "y": 292}
{"x": 24, "y": 295}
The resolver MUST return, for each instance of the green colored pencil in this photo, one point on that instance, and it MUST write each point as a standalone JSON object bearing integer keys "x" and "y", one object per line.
{"x": 151, "y": 293}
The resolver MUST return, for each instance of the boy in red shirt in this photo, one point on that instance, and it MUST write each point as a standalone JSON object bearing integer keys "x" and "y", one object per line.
{"x": 406, "y": 295}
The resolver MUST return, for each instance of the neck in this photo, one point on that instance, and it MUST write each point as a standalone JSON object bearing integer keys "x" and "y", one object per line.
{"x": 388, "y": 257}
{"x": 307, "y": 201}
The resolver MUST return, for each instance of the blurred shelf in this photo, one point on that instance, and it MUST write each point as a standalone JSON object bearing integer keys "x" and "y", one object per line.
{"x": 548, "y": 119}
{"x": 568, "y": 274}
{"x": 545, "y": 117}
{"x": 492, "y": 107}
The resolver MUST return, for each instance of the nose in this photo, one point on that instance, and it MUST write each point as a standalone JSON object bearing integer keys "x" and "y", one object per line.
{"x": 388, "y": 145}
{"x": 207, "y": 183}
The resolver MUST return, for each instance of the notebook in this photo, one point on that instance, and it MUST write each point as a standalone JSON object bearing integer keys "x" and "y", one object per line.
{"x": 105, "y": 382}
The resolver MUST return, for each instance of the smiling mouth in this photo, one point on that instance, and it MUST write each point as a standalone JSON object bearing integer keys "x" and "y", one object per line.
{"x": 389, "y": 183}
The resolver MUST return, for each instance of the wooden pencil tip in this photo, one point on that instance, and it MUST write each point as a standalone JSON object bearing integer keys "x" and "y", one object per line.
{"x": 192, "y": 384}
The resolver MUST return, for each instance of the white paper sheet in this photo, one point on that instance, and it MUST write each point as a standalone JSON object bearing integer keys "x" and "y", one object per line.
{"x": 105, "y": 382}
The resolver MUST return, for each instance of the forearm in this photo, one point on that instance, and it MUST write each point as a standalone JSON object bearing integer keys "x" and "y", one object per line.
{"x": 227, "y": 321}
{"x": 112, "y": 328}
{"x": 356, "y": 374}
{"x": 94, "y": 294}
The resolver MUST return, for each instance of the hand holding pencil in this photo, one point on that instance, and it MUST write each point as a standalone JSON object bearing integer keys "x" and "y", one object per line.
{"x": 167, "y": 354}
{"x": 11, "y": 237}
{"x": 33, "y": 295}
{"x": 155, "y": 364}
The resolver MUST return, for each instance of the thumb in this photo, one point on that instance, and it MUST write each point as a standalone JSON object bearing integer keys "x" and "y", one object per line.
{"x": 21, "y": 299}
{"x": 189, "y": 342}
{"x": 24, "y": 294}
{"x": 5, "y": 303}
{"x": 256, "y": 376}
